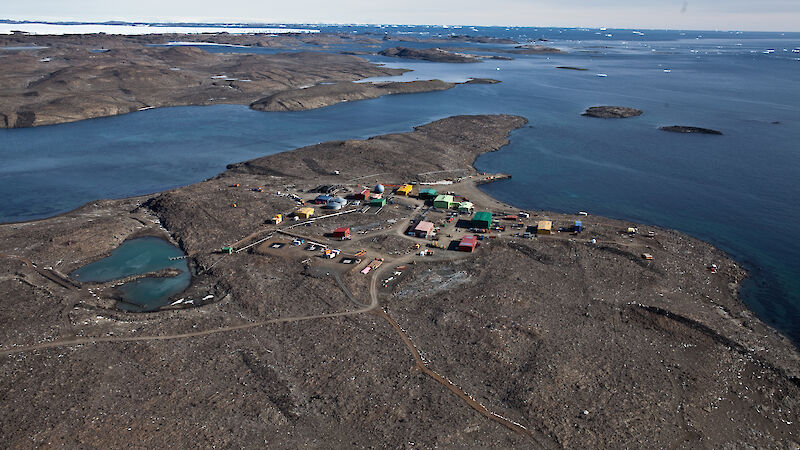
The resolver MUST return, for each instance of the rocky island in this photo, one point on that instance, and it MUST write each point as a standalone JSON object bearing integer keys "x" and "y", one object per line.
{"x": 612, "y": 112}
{"x": 429, "y": 54}
{"x": 534, "y": 49}
{"x": 543, "y": 335}
{"x": 685, "y": 129}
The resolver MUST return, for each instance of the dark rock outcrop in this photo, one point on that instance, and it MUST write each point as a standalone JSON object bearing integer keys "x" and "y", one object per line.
{"x": 429, "y": 54}
{"x": 612, "y": 112}
{"x": 481, "y": 81}
{"x": 685, "y": 129}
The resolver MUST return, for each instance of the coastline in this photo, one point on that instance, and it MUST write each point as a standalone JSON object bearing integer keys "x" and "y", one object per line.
{"x": 160, "y": 232}
{"x": 69, "y": 80}
{"x": 519, "y": 293}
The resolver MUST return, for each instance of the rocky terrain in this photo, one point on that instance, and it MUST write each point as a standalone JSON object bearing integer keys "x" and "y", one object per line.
{"x": 55, "y": 86}
{"x": 685, "y": 129}
{"x": 612, "y": 112}
{"x": 449, "y": 39}
{"x": 555, "y": 341}
{"x": 535, "y": 49}
{"x": 76, "y": 77}
{"x": 429, "y": 54}
{"x": 322, "y": 95}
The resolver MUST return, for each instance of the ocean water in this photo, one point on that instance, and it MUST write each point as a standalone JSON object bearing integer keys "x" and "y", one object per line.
{"x": 737, "y": 190}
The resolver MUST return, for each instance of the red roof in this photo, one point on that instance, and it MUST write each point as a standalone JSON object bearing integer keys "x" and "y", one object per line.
{"x": 468, "y": 241}
{"x": 341, "y": 230}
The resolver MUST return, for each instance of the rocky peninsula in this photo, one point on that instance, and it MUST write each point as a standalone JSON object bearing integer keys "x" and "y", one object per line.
{"x": 64, "y": 85}
{"x": 612, "y": 112}
{"x": 563, "y": 340}
{"x": 322, "y": 95}
{"x": 76, "y": 77}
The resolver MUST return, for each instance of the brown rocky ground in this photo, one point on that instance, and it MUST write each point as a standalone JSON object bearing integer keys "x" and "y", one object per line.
{"x": 76, "y": 77}
{"x": 440, "y": 55}
{"x": 429, "y": 54}
{"x": 579, "y": 344}
{"x": 65, "y": 83}
{"x": 323, "y": 95}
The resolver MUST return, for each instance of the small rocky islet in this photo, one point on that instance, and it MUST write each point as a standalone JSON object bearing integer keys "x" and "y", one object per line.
{"x": 689, "y": 130}
{"x": 612, "y": 112}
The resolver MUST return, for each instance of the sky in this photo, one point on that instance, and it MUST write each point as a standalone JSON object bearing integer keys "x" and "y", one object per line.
{"x": 755, "y": 15}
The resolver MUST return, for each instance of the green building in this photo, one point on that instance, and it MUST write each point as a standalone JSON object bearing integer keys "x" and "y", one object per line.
{"x": 444, "y": 201}
{"x": 377, "y": 202}
{"x": 427, "y": 193}
{"x": 482, "y": 219}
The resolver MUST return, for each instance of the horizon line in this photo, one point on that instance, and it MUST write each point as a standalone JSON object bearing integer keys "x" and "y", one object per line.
{"x": 117, "y": 22}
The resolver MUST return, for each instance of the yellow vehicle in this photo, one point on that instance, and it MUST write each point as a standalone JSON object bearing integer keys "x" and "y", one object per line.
{"x": 277, "y": 218}
{"x": 435, "y": 244}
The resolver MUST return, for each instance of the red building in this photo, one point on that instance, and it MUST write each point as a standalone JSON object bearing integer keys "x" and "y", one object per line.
{"x": 342, "y": 233}
{"x": 468, "y": 243}
{"x": 363, "y": 195}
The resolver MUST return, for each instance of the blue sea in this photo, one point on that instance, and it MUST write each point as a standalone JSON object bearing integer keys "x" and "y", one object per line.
{"x": 738, "y": 191}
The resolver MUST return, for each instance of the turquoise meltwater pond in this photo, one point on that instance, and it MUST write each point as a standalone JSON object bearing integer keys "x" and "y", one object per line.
{"x": 135, "y": 257}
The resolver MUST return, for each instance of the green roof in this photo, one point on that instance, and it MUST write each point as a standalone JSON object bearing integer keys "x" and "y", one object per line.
{"x": 482, "y": 216}
{"x": 378, "y": 201}
{"x": 427, "y": 191}
{"x": 444, "y": 198}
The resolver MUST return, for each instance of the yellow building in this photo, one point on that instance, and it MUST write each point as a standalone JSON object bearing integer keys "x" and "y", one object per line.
{"x": 544, "y": 227}
{"x": 404, "y": 189}
{"x": 305, "y": 213}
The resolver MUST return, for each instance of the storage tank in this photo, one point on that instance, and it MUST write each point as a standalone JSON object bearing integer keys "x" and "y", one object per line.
{"x": 379, "y": 189}
{"x": 339, "y": 200}
{"x": 333, "y": 205}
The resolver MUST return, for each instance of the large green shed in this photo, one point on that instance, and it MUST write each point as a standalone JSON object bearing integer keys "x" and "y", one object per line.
{"x": 427, "y": 193}
{"x": 482, "y": 219}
